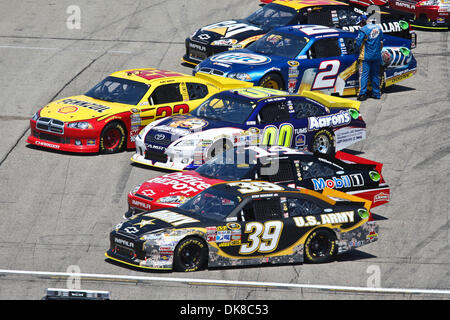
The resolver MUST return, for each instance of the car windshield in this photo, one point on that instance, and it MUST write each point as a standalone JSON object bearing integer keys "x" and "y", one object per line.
{"x": 233, "y": 164}
{"x": 211, "y": 203}
{"x": 225, "y": 107}
{"x": 118, "y": 90}
{"x": 271, "y": 16}
{"x": 279, "y": 44}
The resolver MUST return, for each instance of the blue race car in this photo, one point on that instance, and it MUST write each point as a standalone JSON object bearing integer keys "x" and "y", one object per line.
{"x": 309, "y": 57}
{"x": 250, "y": 116}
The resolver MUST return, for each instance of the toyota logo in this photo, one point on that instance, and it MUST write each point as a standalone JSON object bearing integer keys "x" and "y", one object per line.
{"x": 159, "y": 136}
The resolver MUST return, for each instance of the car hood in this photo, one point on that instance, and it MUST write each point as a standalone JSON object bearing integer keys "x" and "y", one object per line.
{"x": 184, "y": 184}
{"x": 176, "y": 127}
{"x": 242, "y": 60}
{"x": 238, "y": 29}
{"x": 78, "y": 108}
{"x": 158, "y": 220}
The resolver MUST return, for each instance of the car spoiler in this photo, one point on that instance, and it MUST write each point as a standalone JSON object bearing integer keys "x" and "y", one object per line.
{"x": 345, "y": 196}
{"x": 347, "y": 157}
{"x": 331, "y": 101}
{"x": 223, "y": 82}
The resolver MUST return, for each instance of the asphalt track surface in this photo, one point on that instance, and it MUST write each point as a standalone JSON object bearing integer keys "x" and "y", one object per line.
{"x": 57, "y": 209}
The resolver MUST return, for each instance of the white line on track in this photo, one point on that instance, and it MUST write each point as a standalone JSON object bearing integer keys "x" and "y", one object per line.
{"x": 228, "y": 282}
{"x": 57, "y": 49}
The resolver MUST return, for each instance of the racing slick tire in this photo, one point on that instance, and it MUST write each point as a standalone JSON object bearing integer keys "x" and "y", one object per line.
{"x": 217, "y": 148}
{"x": 113, "y": 138}
{"x": 320, "y": 246}
{"x": 191, "y": 254}
{"x": 273, "y": 81}
{"x": 323, "y": 142}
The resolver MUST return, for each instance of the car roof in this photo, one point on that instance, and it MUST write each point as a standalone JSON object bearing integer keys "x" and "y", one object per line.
{"x": 232, "y": 187}
{"x": 300, "y": 4}
{"x": 256, "y": 93}
{"x": 147, "y": 75}
{"x": 297, "y": 30}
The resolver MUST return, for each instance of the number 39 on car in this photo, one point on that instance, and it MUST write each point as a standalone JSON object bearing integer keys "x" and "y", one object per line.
{"x": 245, "y": 223}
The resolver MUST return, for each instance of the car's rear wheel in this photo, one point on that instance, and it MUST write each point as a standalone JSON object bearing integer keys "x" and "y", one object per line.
{"x": 323, "y": 142}
{"x": 113, "y": 138}
{"x": 273, "y": 81}
{"x": 320, "y": 246}
{"x": 191, "y": 254}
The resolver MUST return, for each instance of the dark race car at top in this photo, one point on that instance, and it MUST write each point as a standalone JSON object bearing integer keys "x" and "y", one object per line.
{"x": 245, "y": 223}
{"x": 277, "y": 164}
{"x": 240, "y": 33}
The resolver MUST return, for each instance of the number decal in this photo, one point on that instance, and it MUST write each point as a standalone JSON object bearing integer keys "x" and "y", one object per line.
{"x": 283, "y": 135}
{"x": 327, "y": 78}
{"x": 256, "y": 186}
{"x": 262, "y": 238}
{"x": 166, "y": 111}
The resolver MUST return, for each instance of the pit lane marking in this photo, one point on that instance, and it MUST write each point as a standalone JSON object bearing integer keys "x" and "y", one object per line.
{"x": 109, "y": 277}
{"x": 60, "y": 49}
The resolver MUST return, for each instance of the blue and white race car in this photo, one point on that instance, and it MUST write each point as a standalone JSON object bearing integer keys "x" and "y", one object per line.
{"x": 250, "y": 116}
{"x": 309, "y": 57}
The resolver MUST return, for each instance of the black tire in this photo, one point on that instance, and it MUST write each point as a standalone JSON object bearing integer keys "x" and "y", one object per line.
{"x": 191, "y": 254}
{"x": 113, "y": 138}
{"x": 320, "y": 246}
{"x": 323, "y": 143}
{"x": 218, "y": 147}
{"x": 273, "y": 81}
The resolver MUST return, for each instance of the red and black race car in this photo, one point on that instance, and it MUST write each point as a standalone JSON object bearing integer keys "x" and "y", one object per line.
{"x": 422, "y": 14}
{"x": 281, "y": 165}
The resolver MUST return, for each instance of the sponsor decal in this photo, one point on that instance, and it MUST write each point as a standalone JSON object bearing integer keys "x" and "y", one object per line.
{"x": 66, "y": 110}
{"x": 223, "y": 236}
{"x": 191, "y": 124}
{"x": 140, "y": 204}
{"x": 182, "y": 182}
{"x": 197, "y": 46}
{"x": 241, "y": 58}
{"x": 346, "y": 181}
{"x": 93, "y": 106}
{"x": 300, "y": 140}
{"x": 124, "y": 242}
{"x": 45, "y": 144}
{"x": 90, "y": 142}
{"x": 381, "y": 197}
{"x": 329, "y": 218}
{"x": 332, "y": 120}
{"x": 173, "y": 218}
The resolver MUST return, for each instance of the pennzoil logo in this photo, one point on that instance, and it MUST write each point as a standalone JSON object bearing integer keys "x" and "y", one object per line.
{"x": 93, "y": 106}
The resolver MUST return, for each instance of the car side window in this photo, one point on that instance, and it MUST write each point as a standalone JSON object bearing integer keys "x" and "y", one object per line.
{"x": 325, "y": 48}
{"x": 319, "y": 17}
{"x": 267, "y": 209}
{"x": 317, "y": 169}
{"x": 274, "y": 112}
{"x": 305, "y": 108}
{"x": 166, "y": 93}
{"x": 196, "y": 90}
{"x": 347, "y": 17}
{"x": 284, "y": 174}
{"x": 350, "y": 45}
{"x": 302, "y": 207}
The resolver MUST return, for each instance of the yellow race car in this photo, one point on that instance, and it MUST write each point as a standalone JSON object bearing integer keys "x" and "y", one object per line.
{"x": 109, "y": 116}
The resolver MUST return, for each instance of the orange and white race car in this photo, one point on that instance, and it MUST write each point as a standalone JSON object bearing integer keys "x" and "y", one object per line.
{"x": 109, "y": 116}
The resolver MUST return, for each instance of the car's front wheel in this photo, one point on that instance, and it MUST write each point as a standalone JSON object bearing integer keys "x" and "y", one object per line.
{"x": 273, "y": 81}
{"x": 113, "y": 138}
{"x": 191, "y": 254}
